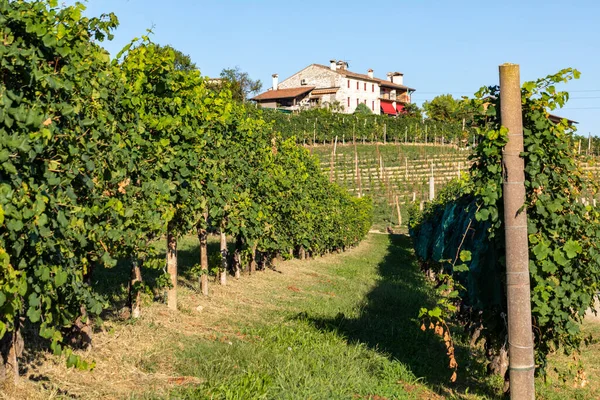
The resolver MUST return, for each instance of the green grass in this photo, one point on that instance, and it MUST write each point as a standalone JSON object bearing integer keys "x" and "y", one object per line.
{"x": 349, "y": 334}
{"x": 339, "y": 327}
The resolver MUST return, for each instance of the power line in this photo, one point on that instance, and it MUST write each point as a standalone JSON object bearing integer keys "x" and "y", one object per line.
{"x": 581, "y": 108}
{"x": 453, "y": 92}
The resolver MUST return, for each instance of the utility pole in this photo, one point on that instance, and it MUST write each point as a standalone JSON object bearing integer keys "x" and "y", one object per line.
{"x": 520, "y": 334}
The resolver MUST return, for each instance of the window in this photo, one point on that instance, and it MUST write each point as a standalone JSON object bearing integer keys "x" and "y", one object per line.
{"x": 348, "y": 98}
{"x": 348, "y": 83}
{"x": 357, "y": 83}
{"x": 365, "y": 102}
{"x": 365, "y": 86}
{"x": 373, "y": 88}
{"x": 356, "y": 102}
{"x": 373, "y": 105}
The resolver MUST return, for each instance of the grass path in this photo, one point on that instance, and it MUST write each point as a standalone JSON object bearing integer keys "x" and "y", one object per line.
{"x": 337, "y": 327}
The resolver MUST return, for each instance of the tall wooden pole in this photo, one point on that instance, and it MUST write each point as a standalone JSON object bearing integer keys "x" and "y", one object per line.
{"x": 520, "y": 335}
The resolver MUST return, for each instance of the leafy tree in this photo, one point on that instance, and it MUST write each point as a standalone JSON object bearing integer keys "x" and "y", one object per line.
{"x": 362, "y": 109}
{"x": 183, "y": 62}
{"x": 442, "y": 108}
{"x": 239, "y": 83}
{"x": 412, "y": 110}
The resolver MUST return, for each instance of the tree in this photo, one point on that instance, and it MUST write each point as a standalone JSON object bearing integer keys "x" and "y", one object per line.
{"x": 183, "y": 62}
{"x": 412, "y": 110}
{"x": 442, "y": 108}
{"x": 362, "y": 109}
{"x": 239, "y": 83}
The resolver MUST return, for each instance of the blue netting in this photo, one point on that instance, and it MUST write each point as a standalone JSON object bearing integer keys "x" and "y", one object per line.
{"x": 438, "y": 239}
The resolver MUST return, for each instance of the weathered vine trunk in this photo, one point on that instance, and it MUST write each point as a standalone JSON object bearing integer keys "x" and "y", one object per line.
{"x": 237, "y": 257}
{"x": 302, "y": 253}
{"x": 202, "y": 237}
{"x": 252, "y": 266}
{"x": 172, "y": 266}
{"x": 11, "y": 348}
{"x": 135, "y": 294}
{"x": 224, "y": 257}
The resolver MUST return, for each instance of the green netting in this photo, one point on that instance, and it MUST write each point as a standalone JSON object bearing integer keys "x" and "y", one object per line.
{"x": 438, "y": 239}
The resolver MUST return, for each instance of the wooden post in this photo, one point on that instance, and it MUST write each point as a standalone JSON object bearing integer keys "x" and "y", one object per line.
{"x": 172, "y": 266}
{"x": 332, "y": 161}
{"x": 520, "y": 335}
{"x": 202, "y": 237}
{"x": 357, "y": 170}
{"x": 135, "y": 294}
{"x": 398, "y": 212}
{"x": 384, "y": 133}
{"x": 224, "y": 256}
{"x": 431, "y": 184}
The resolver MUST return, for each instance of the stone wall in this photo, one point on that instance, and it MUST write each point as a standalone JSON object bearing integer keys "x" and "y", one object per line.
{"x": 347, "y": 96}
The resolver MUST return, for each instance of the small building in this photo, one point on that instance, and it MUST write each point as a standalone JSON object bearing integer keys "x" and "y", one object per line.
{"x": 319, "y": 86}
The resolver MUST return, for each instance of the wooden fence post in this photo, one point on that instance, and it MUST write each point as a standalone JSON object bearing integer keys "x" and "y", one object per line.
{"x": 520, "y": 335}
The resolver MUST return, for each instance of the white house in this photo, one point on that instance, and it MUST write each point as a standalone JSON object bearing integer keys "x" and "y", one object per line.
{"x": 318, "y": 85}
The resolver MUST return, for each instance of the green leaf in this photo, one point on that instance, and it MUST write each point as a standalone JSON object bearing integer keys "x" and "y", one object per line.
{"x": 435, "y": 313}
{"x": 541, "y": 251}
{"x": 465, "y": 255}
{"x": 572, "y": 248}
{"x": 60, "y": 278}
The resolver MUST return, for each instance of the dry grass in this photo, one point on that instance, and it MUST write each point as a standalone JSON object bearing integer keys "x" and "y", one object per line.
{"x": 135, "y": 357}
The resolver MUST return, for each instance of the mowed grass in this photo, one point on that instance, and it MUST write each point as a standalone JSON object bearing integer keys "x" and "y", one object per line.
{"x": 340, "y": 330}
{"x": 337, "y": 327}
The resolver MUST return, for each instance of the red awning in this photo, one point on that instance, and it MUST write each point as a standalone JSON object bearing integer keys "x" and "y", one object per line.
{"x": 387, "y": 108}
{"x": 400, "y": 108}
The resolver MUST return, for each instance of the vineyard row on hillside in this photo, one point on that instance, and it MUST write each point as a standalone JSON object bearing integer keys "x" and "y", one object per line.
{"x": 100, "y": 158}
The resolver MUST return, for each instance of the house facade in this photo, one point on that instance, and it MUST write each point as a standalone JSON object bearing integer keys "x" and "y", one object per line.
{"x": 320, "y": 85}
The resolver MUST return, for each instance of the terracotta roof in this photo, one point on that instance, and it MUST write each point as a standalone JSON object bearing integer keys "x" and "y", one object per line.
{"x": 556, "y": 119}
{"x": 325, "y": 90}
{"x": 382, "y": 82}
{"x": 345, "y": 72}
{"x": 283, "y": 93}
{"x": 389, "y": 84}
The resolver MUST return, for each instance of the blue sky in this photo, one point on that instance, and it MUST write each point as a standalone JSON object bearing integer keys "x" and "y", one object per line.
{"x": 440, "y": 46}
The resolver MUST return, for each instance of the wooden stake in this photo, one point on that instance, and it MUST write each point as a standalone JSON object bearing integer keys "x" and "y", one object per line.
{"x": 172, "y": 266}
{"x": 520, "y": 334}
{"x": 203, "y": 236}
{"x": 398, "y": 212}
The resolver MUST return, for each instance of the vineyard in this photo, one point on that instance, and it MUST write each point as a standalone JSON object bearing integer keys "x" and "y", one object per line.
{"x": 395, "y": 176}
{"x": 321, "y": 126}
{"x": 100, "y": 158}
{"x": 459, "y": 241}
{"x": 134, "y": 196}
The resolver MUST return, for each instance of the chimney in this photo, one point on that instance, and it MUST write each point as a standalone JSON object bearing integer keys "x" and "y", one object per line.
{"x": 332, "y": 65}
{"x": 389, "y": 76}
{"x": 370, "y": 73}
{"x": 275, "y": 81}
{"x": 398, "y": 78}
{"x": 343, "y": 65}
